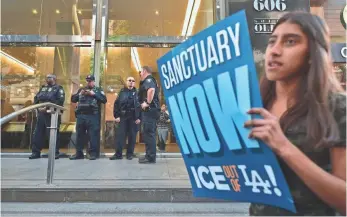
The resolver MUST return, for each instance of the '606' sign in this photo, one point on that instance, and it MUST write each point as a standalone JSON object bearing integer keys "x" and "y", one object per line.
{"x": 270, "y": 5}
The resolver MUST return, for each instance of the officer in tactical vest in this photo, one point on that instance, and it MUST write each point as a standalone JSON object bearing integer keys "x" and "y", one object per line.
{"x": 87, "y": 112}
{"x": 148, "y": 97}
{"x": 54, "y": 93}
{"x": 126, "y": 111}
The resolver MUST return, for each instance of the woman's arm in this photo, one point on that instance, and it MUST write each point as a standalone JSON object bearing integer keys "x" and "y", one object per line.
{"x": 331, "y": 188}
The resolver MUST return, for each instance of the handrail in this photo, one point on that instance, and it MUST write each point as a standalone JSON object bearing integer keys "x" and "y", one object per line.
{"x": 55, "y": 111}
{"x": 9, "y": 117}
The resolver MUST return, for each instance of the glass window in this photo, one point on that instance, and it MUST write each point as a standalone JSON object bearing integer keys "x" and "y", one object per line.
{"x": 159, "y": 18}
{"x": 123, "y": 62}
{"x": 23, "y": 72}
{"x": 43, "y": 17}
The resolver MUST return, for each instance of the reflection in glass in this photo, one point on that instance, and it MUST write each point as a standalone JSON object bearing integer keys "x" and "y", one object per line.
{"x": 23, "y": 72}
{"x": 123, "y": 62}
{"x": 159, "y": 18}
{"x": 43, "y": 17}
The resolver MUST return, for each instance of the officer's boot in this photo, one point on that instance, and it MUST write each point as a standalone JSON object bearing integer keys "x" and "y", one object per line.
{"x": 92, "y": 157}
{"x": 146, "y": 160}
{"x": 34, "y": 156}
{"x": 77, "y": 156}
{"x": 116, "y": 157}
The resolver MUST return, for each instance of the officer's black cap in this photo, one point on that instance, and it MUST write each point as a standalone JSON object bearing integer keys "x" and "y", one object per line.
{"x": 90, "y": 77}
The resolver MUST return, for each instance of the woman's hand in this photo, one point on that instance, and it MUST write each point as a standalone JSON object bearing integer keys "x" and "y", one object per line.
{"x": 144, "y": 105}
{"x": 268, "y": 130}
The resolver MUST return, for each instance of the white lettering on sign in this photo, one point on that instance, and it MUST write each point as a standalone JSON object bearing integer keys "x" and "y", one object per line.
{"x": 202, "y": 56}
{"x": 344, "y": 52}
{"x": 256, "y": 181}
{"x": 264, "y": 26}
{"x": 270, "y": 5}
{"x": 210, "y": 177}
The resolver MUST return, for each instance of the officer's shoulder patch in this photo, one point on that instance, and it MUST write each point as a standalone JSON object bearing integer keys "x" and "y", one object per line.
{"x": 148, "y": 80}
{"x": 61, "y": 91}
{"x": 102, "y": 92}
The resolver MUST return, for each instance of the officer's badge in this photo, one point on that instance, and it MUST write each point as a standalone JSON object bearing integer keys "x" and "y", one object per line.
{"x": 50, "y": 89}
{"x": 148, "y": 80}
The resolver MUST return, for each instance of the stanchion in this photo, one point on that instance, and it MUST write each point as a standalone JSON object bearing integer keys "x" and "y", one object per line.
{"x": 52, "y": 143}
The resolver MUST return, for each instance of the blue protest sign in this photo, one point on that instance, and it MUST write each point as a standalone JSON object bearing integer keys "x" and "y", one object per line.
{"x": 210, "y": 82}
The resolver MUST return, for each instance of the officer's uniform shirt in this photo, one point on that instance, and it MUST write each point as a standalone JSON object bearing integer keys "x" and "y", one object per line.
{"x": 146, "y": 84}
{"x": 94, "y": 101}
{"x": 50, "y": 93}
{"x": 126, "y": 102}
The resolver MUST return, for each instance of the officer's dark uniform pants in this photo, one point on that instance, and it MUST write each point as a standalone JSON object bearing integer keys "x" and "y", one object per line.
{"x": 126, "y": 129}
{"x": 42, "y": 132}
{"x": 88, "y": 124}
{"x": 149, "y": 128}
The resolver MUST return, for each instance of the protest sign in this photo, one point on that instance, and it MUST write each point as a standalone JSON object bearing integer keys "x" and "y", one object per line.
{"x": 209, "y": 83}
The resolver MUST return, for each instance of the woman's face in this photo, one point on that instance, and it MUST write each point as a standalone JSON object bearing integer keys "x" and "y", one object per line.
{"x": 286, "y": 53}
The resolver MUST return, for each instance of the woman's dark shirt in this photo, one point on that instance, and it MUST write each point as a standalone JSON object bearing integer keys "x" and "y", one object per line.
{"x": 306, "y": 202}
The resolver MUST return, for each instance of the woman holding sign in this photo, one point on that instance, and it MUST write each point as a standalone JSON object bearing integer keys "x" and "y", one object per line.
{"x": 304, "y": 117}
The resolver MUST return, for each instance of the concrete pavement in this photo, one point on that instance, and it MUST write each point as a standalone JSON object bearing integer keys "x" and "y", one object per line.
{"x": 24, "y": 180}
{"x": 124, "y": 209}
{"x": 24, "y": 173}
{"x": 104, "y": 188}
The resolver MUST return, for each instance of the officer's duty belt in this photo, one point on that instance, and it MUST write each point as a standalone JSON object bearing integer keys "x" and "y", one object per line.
{"x": 87, "y": 113}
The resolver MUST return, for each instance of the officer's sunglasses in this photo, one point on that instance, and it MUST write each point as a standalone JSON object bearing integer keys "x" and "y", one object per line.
{"x": 131, "y": 80}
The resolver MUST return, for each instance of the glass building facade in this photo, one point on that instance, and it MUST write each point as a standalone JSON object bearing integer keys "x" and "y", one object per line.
{"x": 111, "y": 39}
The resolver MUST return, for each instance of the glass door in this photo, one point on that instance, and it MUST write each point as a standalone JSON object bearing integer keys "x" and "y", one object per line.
{"x": 23, "y": 72}
{"x": 140, "y": 32}
{"x": 124, "y": 62}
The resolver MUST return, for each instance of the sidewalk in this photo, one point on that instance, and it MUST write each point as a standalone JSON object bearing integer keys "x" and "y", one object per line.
{"x": 102, "y": 180}
{"x": 25, "y": 173}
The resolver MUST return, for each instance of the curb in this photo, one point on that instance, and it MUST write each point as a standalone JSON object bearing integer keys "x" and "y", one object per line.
{"x": 102, "y": 155}
{"x": 114, "y": 195}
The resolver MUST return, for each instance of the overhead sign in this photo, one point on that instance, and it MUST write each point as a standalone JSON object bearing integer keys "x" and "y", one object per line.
{"x": 210, "y": 82}
{"x": 262, "y": 15}
{"x": 266, "y": 25}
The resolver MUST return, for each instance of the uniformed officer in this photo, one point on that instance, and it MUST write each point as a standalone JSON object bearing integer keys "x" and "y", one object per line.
{"x": 126, "y": 111}
{"x": 148, "y": 97}
{"x": 54, "y": 93}
{"x": 87, "y": 112}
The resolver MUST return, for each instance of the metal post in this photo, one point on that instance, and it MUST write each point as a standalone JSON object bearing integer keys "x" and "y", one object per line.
{"x": 223, "y": 9}
{"x": 52, "y": 144}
